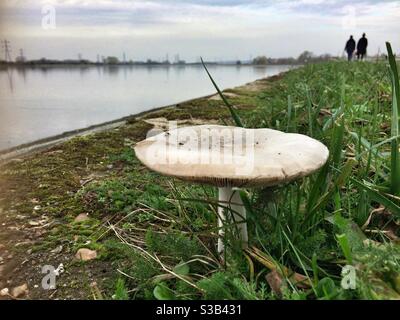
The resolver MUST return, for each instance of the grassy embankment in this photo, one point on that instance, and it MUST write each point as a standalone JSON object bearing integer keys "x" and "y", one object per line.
{"x": 155, "y": 237}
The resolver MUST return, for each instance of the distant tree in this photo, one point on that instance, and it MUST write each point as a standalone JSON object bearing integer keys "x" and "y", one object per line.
{"x": 238, "y": 62}
{"x": 261, "y": 60}
{"x": 150, "y": 61}
{"x": 305, "y": 57}
{"x": 287, "y": 61}
{"x": 111, "y": 60}
{"x": 326, "y": 56}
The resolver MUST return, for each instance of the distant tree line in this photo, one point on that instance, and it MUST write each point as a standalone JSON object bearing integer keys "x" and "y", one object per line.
{"x": 303, "y": 58}
{"x": 110, "y": 60}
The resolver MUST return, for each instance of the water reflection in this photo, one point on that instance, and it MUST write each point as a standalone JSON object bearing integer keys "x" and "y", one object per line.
{"x": 10, "y": 79}
{"x": 22, "y": 72}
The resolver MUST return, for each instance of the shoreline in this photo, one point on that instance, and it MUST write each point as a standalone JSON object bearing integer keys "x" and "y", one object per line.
{"x": 44, "y": 143}
{"x": 32, "y": 147}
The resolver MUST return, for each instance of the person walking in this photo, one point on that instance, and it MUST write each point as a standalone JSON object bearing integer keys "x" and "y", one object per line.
{"x": 350, "y": 47}
{"x": 362, "y": 47}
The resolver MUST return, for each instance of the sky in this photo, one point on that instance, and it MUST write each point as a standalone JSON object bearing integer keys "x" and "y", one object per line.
{"x": 213, "y": 29}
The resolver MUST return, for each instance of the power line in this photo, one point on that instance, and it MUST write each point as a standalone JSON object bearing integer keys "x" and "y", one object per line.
{"x": 21, "y": 57}
{"x": 7, "y": 50}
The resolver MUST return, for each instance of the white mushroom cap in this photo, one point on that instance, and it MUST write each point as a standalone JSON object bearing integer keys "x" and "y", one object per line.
{"x": 232, "y": 156}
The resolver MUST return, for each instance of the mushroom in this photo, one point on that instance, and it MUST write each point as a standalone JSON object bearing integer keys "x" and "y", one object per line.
{"x": 229, "y": 157}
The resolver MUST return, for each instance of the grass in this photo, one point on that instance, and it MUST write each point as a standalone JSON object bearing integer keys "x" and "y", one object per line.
{"x": 159, "y": 235}
{"x": 302, "y": 234}
{"x": 313, "y": 227}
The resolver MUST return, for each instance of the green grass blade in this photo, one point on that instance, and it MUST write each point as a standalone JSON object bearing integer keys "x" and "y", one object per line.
{"x": 336, "y": 147}
{"x": 289, "y": 114}
{"x": 345, "y": 246}
{"x": 309, "y": 111}
{"x": 319, "y": 186}
{"x": 393, "y": 68}
{"x": 339, "y": 182}
{"x": 378, "y": 197}
{"x": 234, "y": 114}
{"x": 395, "y": 144}
{"x": 339, "y": 111}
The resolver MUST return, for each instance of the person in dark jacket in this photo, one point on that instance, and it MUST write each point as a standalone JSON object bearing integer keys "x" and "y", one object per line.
{"x": 350, "y": 47}
{"x": 362, "y": 47}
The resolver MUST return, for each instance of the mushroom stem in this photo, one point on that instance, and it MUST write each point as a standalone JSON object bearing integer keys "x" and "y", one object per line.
{"x": 231, "y": 199}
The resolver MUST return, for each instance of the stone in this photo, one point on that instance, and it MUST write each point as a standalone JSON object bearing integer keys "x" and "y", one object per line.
{"x": 4, "y": 292}
{"x": 85, "y": 254}
{"x": 57, "y": 250}
{"x": 81, "y": 217}
{"x": 19, "y": 291}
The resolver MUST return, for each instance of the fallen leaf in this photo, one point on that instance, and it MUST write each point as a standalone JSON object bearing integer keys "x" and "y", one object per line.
{"x": 276, "y": 282}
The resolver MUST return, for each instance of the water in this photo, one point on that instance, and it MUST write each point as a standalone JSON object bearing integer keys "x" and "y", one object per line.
{"x": 42, "y": 102}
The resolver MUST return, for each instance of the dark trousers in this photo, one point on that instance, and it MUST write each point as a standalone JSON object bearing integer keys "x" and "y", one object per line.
{"x": 360, "y": 56}
{"x": 349, "y": 56}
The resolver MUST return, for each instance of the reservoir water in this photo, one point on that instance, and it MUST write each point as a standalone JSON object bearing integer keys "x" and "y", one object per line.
{"x": 36, "y": 103}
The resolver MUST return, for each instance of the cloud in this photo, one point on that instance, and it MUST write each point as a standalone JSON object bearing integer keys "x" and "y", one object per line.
{"x": 225, "y": 25}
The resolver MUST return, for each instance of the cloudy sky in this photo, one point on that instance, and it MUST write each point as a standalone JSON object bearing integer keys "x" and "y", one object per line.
{"x": 214, "y": 29}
